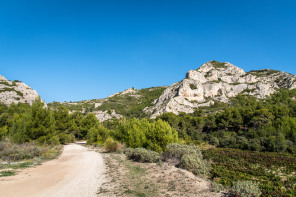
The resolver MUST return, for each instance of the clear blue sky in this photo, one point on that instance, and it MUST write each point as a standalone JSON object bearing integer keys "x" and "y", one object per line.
{"x": 72, "y": 50}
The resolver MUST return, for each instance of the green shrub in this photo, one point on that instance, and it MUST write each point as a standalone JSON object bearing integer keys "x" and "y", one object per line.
{"x": 111, "y": 145}
{"x": 193, "y": 86}
{"x": 179, "y": 150}
{"x": 7, "y": 173}
{"x": 54, "y": 140}
{"x": 245, "y": 189}
{"x": 217, "y": 187}
{"x": 188, "y": 157}
{"x": 195, "y": 164}
{"x": 66, "y": 138}
{"x": 142, "y": 155}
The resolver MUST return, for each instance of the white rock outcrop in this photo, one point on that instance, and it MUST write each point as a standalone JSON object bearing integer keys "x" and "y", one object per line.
{"x": 15, "y": 92}
{"x": 217, "y": 81}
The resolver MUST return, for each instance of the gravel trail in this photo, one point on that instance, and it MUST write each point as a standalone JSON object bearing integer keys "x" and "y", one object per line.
{"x": 77, "y": 172}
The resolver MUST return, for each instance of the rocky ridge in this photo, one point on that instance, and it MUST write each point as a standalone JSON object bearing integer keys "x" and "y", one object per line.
{"x": 218, "y": 81}
{"x": 115, "y": 106}
{"x": 15, "y": 92}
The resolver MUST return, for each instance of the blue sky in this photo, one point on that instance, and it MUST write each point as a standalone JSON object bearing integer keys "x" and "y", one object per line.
{"x": 71, "y": 50}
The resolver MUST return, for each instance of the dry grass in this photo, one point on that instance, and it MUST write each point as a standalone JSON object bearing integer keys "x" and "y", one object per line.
{"x": 18, "y": 156}
{"x": 129, "y": 178}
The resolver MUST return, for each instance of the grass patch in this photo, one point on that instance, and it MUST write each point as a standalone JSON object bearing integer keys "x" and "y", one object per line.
{"x": 7, "y": 173}
{"x": 217, "y": 64}
{"x": 263, "y": 72}
{"x": 135, "y": 182}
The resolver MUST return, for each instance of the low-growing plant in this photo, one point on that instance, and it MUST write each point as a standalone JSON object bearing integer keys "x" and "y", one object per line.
{"x": 217, "y": 187}
{"x": 54, "y": 140}
{"x": 7, "y": 173}
{"x": 142, "y": 155}
{"x": 177, "y": 151}
{"x": 193, "y": 86}
{"x": 111, "y": 145}
{"x": 188, "y": 157}
{"x": 245, "y": 189}
{"x": 16, "y": 152}
{"x": 195, "y": 164}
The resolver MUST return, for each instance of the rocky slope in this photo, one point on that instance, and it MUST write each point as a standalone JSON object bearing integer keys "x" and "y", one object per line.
{"x": 218, "y": 81}
{"x": 15, "y": 92}
{"x": 129, "y": 103}
{"x": 213, "y": 81}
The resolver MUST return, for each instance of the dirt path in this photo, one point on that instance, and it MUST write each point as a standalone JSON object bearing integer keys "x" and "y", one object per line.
{"x": 77, "y": 172}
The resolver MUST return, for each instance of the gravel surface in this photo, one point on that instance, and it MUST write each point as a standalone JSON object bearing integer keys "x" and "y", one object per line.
{"x": 77, "y": 172}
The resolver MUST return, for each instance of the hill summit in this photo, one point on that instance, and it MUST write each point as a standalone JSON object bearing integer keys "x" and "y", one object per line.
{"x": 218, "y": 81}
{"x": 16, "y": 92}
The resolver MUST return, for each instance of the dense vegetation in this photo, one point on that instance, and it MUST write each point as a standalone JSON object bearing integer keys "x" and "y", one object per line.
{"x": 275, "y": 172}
{"x": 134, "y": 133}
{"x": 245, "y": 123}
{"x": 256, "y": 138}
{"x": 22, "y": 123}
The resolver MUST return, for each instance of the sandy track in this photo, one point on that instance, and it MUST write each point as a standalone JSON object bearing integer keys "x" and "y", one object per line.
{"x": 77, "y": 172}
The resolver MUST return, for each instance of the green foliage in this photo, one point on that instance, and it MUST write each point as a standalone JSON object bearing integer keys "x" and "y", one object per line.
{"x": 54, "y": 140}
{"x": 246, "y": 123}
{"x": 216, "y": 187}
{"x": 130, "y": 105}
{"x": 217, "y": 64}
{"x": 274, "y": 172}
{"x": 142, "y": 133}
{"x": 193, "y": 86}
{"x": 245, "y": 189}
{"x": 111, "y": 145}
{"x": 142, "y": 155}
{"x": 7, "y": 173}
{"x": 98, "y": 134}
{"x": 188, "y": 157}
{"x": 263, "y": 72}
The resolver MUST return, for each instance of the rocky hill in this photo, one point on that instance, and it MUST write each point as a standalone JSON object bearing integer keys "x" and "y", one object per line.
{"x": 213, "y": 82}
{"x": 218, "y": 81}
{"x": 15, "y": 92}
{"x": 129, "y": 103}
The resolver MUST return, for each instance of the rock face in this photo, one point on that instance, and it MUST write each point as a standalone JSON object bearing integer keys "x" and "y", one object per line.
{"x": 15, "y": 92}
{"x": 105, "y": 115}
{"x": 217, "y": 81}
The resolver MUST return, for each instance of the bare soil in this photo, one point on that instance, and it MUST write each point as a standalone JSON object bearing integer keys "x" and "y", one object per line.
{"x": 128, "y": 178}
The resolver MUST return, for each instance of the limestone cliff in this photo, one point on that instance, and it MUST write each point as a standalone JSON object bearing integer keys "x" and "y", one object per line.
{"x": 218, "y": 81}
{"x": 15, "y": 92}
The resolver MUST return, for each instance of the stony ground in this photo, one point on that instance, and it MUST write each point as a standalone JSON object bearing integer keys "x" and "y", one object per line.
{"x": 128, "y": 178}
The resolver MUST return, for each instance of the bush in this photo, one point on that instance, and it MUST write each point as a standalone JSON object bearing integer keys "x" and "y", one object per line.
{"x": 16, "y": 152}
{"x": 175, "y": 152}
{"x": 54, "y": 140}
{"x": 142, "y": 155}
{"x": 195, "y": 164}
{"x": 111, "y": 145}
{"x": 245, "y": 189}
{"x": 188, "y": 157}
{"x": 66, "y": 138}
{"x": 216, "y": 187}
{"x": 193, "y": 86}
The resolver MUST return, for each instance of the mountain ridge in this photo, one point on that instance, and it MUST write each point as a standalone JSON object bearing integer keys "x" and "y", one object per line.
{"x": 212, "y": 82}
